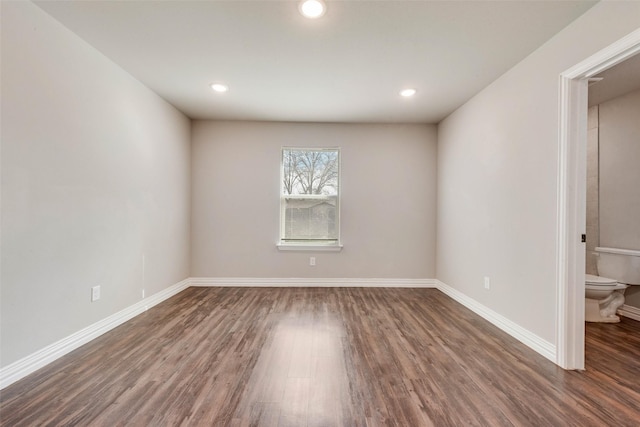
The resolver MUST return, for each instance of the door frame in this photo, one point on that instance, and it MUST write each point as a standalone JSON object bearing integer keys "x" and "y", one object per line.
{"x": 571, "y": 193}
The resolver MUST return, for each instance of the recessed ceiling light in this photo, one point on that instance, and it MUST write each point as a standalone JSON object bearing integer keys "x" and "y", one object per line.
{"x": 312, "y": 8}
{"x": 407, "y": 92}
{"x": 219, "y": 87}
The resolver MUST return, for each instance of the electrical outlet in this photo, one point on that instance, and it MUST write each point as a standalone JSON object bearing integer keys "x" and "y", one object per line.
{"x": 95, "y": 293}
{"x": 312, "y": 261}
{"x": 487, "y": 282}
{"x": 143, "y": 294}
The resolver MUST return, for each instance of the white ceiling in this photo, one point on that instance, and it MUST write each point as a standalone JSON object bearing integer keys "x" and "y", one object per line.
{"x": 347, "y": 66}
{"x": 616, "y": 81}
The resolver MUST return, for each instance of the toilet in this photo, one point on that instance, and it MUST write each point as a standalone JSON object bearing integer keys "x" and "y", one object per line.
{"x": 602, "y": 301}
{"x": 604, "y": 294}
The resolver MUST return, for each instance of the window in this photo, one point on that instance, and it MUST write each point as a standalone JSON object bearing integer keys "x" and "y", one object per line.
{"x": 309, "y": 199}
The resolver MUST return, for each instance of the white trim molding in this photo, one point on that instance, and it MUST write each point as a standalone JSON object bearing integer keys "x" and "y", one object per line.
{"x": 630, "y": 311}
{"x": 31, "y": 363}
{"x": 531, "y": 340}
{"x": 311, "y": 282}
{"x": 27, "y": 365}
{"x": 571, "y": 223}
{"x": 39, "y": 359}
{"x": 316, "y": 247}
{"x": 571, "y": 196}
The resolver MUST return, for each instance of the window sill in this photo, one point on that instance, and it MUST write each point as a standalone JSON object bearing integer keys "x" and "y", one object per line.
{"x": 318, "y": 247}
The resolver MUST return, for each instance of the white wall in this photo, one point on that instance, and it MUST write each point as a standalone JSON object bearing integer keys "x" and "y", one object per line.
{"x": 95, "y": 175}
{"x": 497, "y": 172}
{"x": 388, "y": 185}
{"x": 619, "y": 141}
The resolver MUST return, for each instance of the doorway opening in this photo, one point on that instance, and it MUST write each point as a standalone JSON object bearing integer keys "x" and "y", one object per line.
{"x": 571, "y": 206}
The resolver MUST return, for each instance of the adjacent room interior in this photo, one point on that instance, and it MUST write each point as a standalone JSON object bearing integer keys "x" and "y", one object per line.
{"x": 228, "y": 213}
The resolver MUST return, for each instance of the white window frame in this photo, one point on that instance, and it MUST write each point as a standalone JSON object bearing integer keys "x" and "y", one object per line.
{"x": 309, "y": 245}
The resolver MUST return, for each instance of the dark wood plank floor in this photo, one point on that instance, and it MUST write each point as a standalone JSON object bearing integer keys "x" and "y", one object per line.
{"x": 326, "y": 357}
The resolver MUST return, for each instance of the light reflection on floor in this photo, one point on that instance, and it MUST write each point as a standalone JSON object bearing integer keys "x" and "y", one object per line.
{"x": 300, "y": 377}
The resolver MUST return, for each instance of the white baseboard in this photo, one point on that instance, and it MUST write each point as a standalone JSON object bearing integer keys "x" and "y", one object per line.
{"x": 29, "y": 364}
{"x": 311, "y": 282}
{"x": 40, "y": 358}
{"x": 545, "y": 348}
{"x": 25, "y": 366}
{"x": 630, "y": 311}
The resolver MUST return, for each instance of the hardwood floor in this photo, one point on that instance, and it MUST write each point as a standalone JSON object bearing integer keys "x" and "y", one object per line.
{"x": 326, "y": 357}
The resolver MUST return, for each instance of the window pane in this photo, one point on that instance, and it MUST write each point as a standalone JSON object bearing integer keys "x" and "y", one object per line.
{"x": 310, "y": 171}
{"x": 310, "y": 219}
{"x": 309, "y": 194}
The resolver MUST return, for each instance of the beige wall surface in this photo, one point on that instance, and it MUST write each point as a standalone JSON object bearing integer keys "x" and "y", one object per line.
{"x": 620, "y": 172}
{"x": 593, "y": 221}
{"x": 497, "y": 176}
{"x": 620, "y": 177}
{"x": 388, "y": 185}
{"x": 95, "y": 176}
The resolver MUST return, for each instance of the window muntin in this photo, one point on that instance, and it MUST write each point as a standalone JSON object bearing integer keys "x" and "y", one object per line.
{"x": 309, "y": 196}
